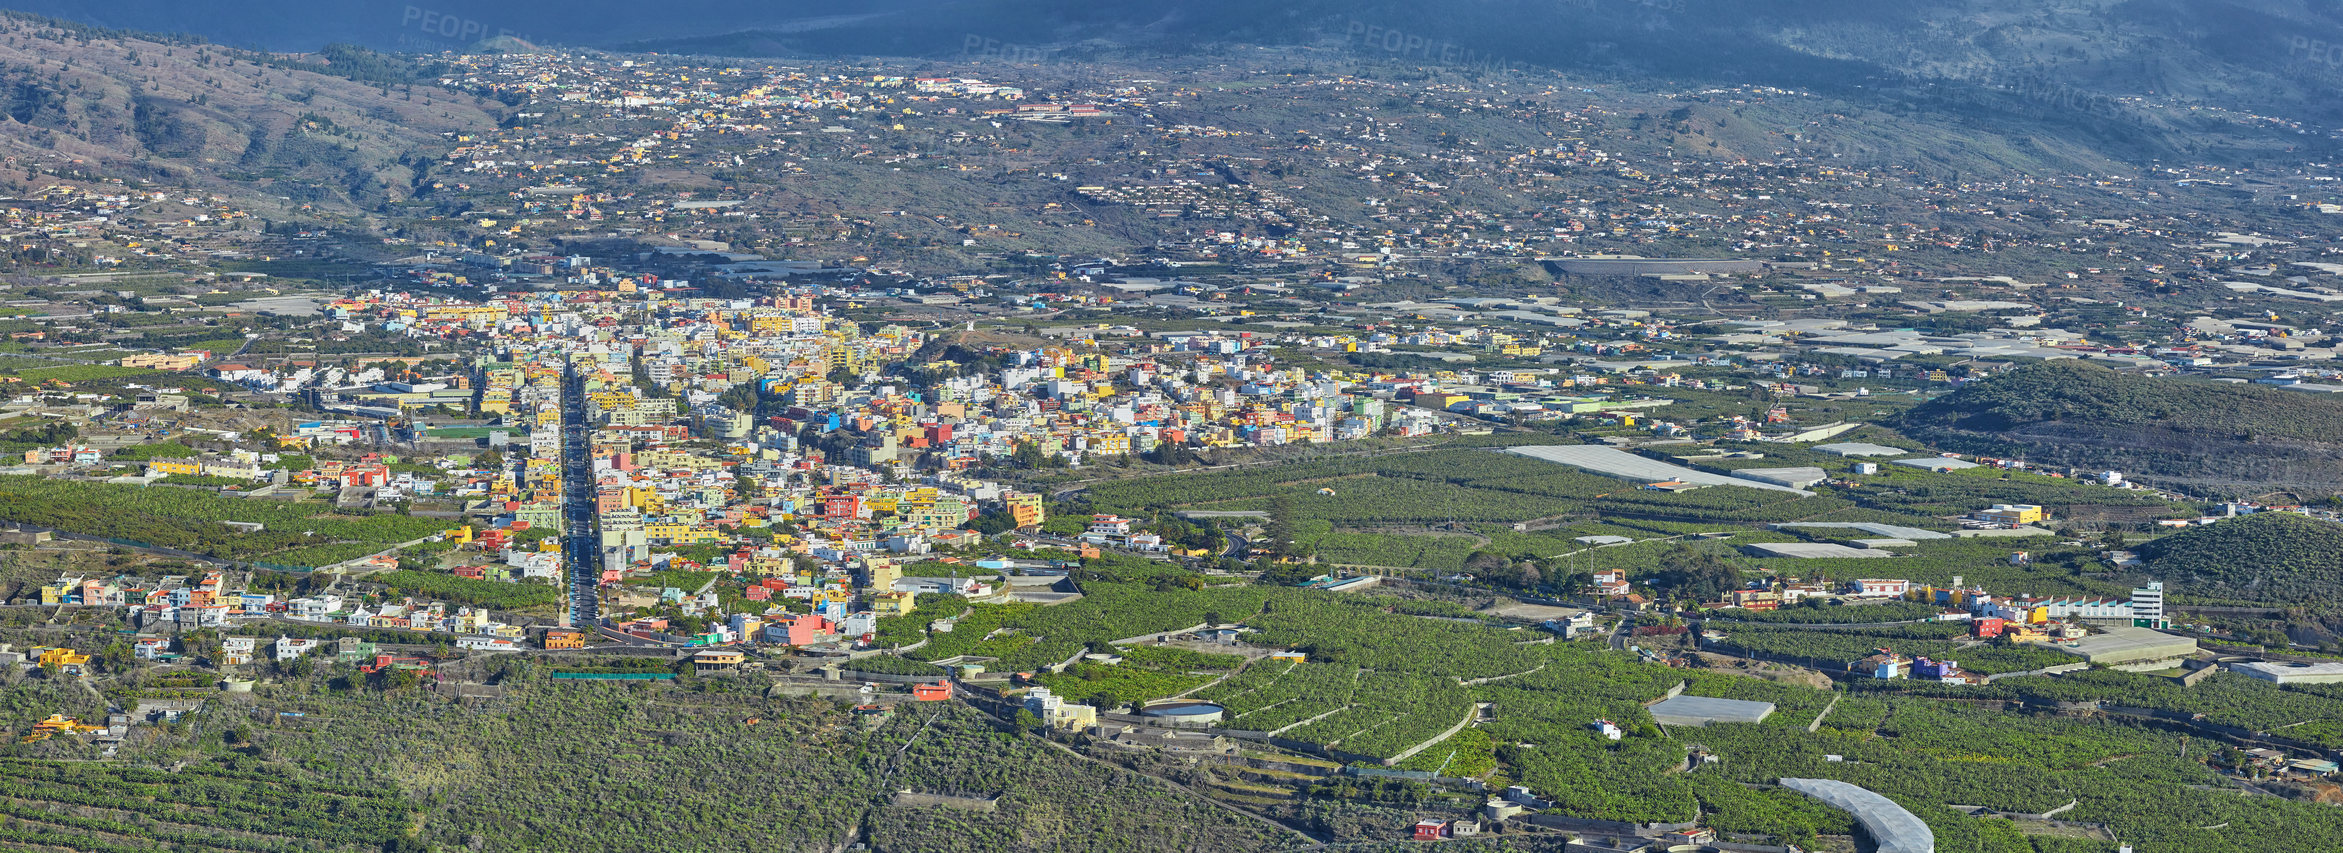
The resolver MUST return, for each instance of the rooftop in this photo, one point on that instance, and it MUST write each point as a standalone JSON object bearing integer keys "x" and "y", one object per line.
{"x": 1703, "y": 710}
{"x": 1890, "y": 826}
{"x": 2123, "y": 644}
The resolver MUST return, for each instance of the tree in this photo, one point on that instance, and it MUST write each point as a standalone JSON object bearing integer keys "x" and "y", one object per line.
{"x": 116, "y": 657}
{"x": 1280, "y": 530}
{"x": 1026, "y": 722}
{"x": 395, "y": 678}
{"x": 1696, "y": 575}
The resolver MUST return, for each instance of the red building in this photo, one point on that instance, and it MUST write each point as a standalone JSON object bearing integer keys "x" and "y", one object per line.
{"x": 1987, "y": 628}
{"x": 805, "y": 629}
{"x": 842, "y": 506}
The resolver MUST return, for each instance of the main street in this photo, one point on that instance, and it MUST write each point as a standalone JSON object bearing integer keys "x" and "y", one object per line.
{"x": 582, "y": 548}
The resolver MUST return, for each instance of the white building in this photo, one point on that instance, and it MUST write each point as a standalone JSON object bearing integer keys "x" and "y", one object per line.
{"x": 289, "y": 648}
{"x": 1880, "y": 587}
{"x": 315, "y": 608}
{"x": 1055, "y": 712}
{"x": 236, "y": 651}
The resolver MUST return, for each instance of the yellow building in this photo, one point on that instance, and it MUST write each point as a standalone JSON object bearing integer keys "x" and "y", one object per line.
{"x": 881, "y": 575}
{"x": 63, "y": 658}
{"x": 162, "y": 361}
{"x": 1025, "y": 508}
{"x": 168, "y": 467}
{"x": 2012, "y": 514}
{"x": 893, "y": 603}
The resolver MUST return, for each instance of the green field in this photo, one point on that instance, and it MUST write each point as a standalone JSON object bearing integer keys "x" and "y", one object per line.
{"x": 80, "y": 373}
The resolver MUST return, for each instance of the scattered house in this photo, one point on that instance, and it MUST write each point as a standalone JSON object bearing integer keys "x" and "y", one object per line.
{"x": 1882, "y": 664}
{"x": 1945, "y": 671}
{"x": 717, "y": 660}
{"x": 1880, "y": 588}
{"x": 289, "y": 648}
{"x": 1611, "y": 582}
{"x": 481, "y": 643}
{"x": 1057, "y": 713}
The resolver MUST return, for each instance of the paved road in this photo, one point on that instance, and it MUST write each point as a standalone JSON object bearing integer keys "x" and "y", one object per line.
{"x": 582, "y": 548}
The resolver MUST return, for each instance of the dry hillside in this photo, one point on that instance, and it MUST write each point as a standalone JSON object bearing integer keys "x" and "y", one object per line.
{"x": 204, "y": 116}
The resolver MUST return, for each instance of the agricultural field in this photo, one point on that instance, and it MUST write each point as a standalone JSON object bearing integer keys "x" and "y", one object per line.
{"x": 70, "y": 373}
{"x": 1434, "y": 510}
{"x": 300, "y": 766}
{"x": 1833, "y": 649}
{"x": 495, "y": 595}
{"x": 110, "y": 808}
{"x": 189, "y": 520}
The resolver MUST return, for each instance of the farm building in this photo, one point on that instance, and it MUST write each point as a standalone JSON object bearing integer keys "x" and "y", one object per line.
{"x": 1892, "y": 829}
{"x": 2278, "y": 672}
{"x": 2129, "y": 645}
{"x": 1703, "y": 710}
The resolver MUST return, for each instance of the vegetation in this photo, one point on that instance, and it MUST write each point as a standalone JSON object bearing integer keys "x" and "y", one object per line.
{"x": 189, "y": 520}
{"x": 495, "y": 595}
{"x": 2072, "y": 412}
{"x": 2276, "y": 557}
{"x": 671, "y": 763}
{"x": 1834, "y": 649}
{"x": 891, "y": 665}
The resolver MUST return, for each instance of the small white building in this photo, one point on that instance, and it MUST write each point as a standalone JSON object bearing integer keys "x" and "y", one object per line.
{"x": 1880, "y": 587}
{"x": 289, "y": 648}
{"x": 484, "y": 643}
{"x": 1057, "y": 713}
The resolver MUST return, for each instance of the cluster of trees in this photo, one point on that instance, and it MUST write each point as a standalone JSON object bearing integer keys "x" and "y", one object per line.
{"x": 2273, "y": 557}
{"x": 1119, "y": 685}
{"x": 2073, "y": 390}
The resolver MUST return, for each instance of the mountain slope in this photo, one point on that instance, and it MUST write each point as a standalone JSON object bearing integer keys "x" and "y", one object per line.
{"x": 188, "y": 114}
{"x": 2205, "y": 433}
{"x": 2121, "y": 74}
{"x": 2272, "y": 557}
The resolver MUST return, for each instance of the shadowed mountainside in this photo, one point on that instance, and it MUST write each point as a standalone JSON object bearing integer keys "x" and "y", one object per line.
{"x": 2207, "y": 434}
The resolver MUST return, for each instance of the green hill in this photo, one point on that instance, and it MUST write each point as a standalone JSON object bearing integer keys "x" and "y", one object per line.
{"x": 2274, "y": 557}
{"x": 2212, "y": 435}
